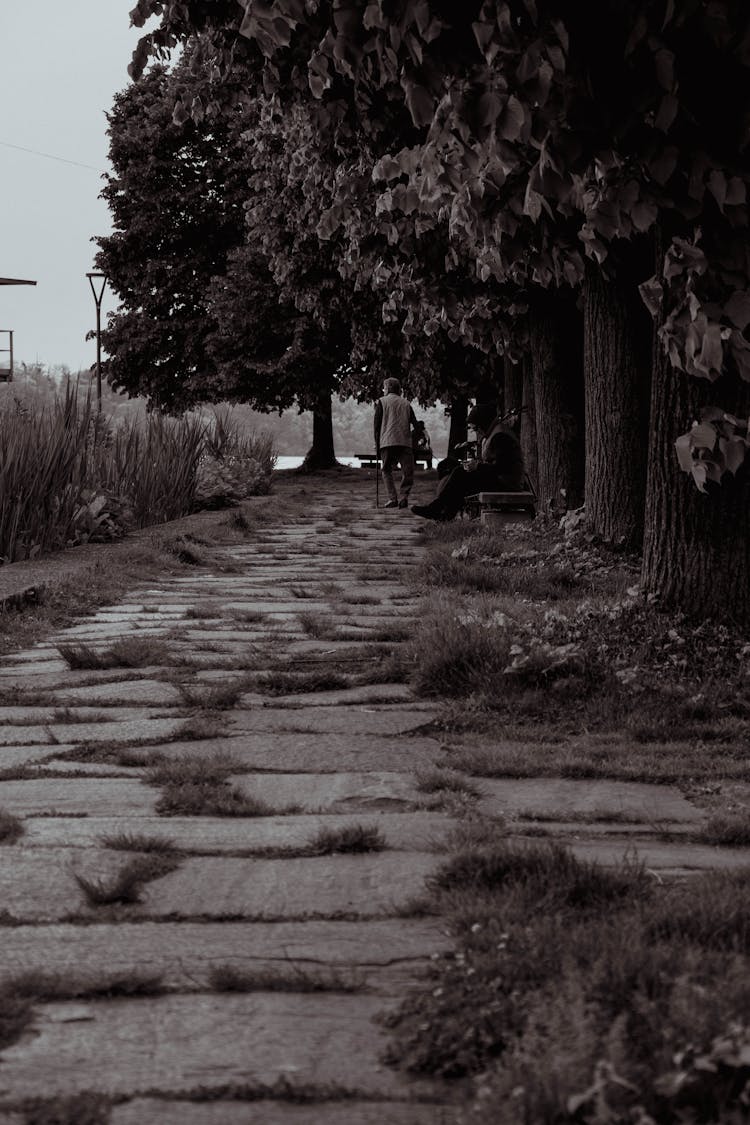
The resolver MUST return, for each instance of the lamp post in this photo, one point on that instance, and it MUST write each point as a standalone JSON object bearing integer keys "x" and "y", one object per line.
{"x": 94, "y": 279}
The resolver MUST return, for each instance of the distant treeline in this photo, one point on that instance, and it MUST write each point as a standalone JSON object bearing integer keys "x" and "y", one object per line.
{"x": 291, "y": 432}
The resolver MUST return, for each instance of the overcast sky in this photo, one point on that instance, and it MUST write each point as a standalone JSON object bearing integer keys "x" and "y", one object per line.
{"x": 61, "y": 65}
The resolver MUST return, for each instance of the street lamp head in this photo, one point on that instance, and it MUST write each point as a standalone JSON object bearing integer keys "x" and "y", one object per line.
{"x": 97, "y": 277}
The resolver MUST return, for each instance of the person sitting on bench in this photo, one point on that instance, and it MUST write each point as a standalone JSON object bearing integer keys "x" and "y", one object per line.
{"x": 500, "y": 469}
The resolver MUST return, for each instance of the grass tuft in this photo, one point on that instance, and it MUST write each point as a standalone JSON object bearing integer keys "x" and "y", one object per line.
{"x": 133, "y": 842}
{"x": 11, "y": 828}
{"x": 347, "y": 840}
{"x": 126, "y": 886}
{"x": 729, "y": 830}
{"x": 292, "y": 683}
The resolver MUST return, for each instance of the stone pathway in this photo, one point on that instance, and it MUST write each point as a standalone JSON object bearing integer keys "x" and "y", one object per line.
{"x": 264, "y": 716}
{"x": 315, "y": 947}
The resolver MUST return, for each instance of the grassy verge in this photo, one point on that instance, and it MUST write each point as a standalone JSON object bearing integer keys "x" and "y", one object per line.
{"x": 550, "y": 642}
{"x": 578, "y": 994}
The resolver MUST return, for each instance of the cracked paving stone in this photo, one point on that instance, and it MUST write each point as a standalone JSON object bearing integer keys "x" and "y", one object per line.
{"x": 311, "y": 752}
{"x": 185, "y": 953}
{"x": 370, "y": 885}
{"x": 419, "y": 831}
{"x": 113, "y": 797}
{"x": 386, "y": 720}
{"x": 181, "y": 1042}
{"x": 339, "y": 792}
{"x": 562, "y": 796}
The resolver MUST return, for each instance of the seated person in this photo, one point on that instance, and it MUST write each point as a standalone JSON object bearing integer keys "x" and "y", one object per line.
{"x": 421, "y": 442}
{"x": 500, "y": 468}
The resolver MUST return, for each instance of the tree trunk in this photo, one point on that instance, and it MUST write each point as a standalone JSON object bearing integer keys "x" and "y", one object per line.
{"x": 459, "y": 408}
{"x": 512, "y": 385}
{"x": 321, "y": 453}
{"x": 696, "y": 550}
{"x": 528, "y": 424}
{"x": 556, "y": 354}
{"x": 617, "y": 374}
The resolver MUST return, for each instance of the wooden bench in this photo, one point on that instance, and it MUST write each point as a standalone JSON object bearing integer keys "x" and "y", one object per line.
{"x": 423, "y": 457}
{"x": 496, "y": 508}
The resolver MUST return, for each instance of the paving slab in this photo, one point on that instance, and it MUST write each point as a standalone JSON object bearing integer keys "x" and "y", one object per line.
{"x": 12, "y": 756}
{"x": 338, "y": 792}
{"x": 185, "y": 953}
{"x": 354, "y": 720}
{"x": 559, "y": 798}
{"x": 419, "y": 831}
{"x": 312, "y": 752}
{"x": 367, "y": 885}
{"x": 134, "y": 730}
{"x": 111, "y": 797}
{"x": 265, "y": 1112}
{"x": 182, "y": 1042}
{"x": 28, "y": 677}
{"x": 26, "y": 736}
{"x": 150, "y": 692}
{"x": 22, "y": 716}
{"x": 40, "y": 883}
{"x": 367, "y": 693}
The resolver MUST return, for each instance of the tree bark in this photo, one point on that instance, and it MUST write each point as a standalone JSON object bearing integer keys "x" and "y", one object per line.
{"x": 556, "y": 339}
{"x": 528, "y": 424}
{"x": 617, "y": 373}
{"x": 512, "y": 385}
{"x": 321, "y": 453}
{"x": 459, "y": 408}
{"x": 696, "y": 550}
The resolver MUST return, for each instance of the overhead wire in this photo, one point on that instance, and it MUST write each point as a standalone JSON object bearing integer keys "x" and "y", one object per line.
{"x": 49, "y": 156}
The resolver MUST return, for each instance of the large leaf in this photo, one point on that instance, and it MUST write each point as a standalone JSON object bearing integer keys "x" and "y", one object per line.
{"x": 703, "y": 436}
{"x": 737, "y": 308}
{"x": 419, "y": 102}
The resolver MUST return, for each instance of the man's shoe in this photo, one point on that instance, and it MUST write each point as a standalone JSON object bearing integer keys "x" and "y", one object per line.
{"x": 391, "y": 504}
{"x": 426, "y": 511}
{"x": 403, "y": 503}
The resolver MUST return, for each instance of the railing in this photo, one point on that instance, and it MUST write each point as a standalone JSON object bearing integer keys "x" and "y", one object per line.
{"x": 6, "y": 366}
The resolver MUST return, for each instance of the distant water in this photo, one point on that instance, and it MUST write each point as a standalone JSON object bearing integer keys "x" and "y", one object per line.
{"x": 295, "y": 462}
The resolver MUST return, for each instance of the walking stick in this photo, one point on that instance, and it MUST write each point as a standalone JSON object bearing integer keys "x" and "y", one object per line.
{"x": 377, "y": 476}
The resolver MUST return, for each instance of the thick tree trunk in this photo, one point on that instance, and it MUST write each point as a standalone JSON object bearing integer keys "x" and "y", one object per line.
{"x": 556, "y": 339}
{"x": 528, "y": 424}
{"x": 696, "y": 549}
{"x": 321, "y": 453}
{"x": 617, "y": 373}
{"x": 459, "y": 408}
{"x": 512, "y": 385}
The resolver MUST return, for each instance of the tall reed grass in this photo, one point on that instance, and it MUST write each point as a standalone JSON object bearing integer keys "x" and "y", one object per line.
{"x": 68, "y": 474}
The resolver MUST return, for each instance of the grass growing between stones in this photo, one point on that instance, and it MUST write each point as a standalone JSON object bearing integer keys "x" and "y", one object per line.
{"x": 729, "y": 830}
{"x": 572, "y": 988}
{"x": 230, "y": 978}
{"x": 350, "y": 839}
{"x": 133, "y": 842}
{"x": 317, "y": 625}
{"x": 87, "y": 1108}
{"x": 125, "y": 887}
{"x": 128, "y": 652}
{"x": 11, "y": 828}
{"x": 292, "y": 683}
{"x": 214, "y": 697}
{"x": 198, "y": 786}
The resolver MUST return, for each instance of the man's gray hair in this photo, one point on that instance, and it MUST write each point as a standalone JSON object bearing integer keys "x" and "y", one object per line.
{"x": 392, "y": 386}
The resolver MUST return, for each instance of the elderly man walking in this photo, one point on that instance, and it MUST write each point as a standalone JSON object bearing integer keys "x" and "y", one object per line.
{"x": 394, "y": 419}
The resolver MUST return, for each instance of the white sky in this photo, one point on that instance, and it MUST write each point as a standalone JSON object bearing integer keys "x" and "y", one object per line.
{"x": 60, "y": 66}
